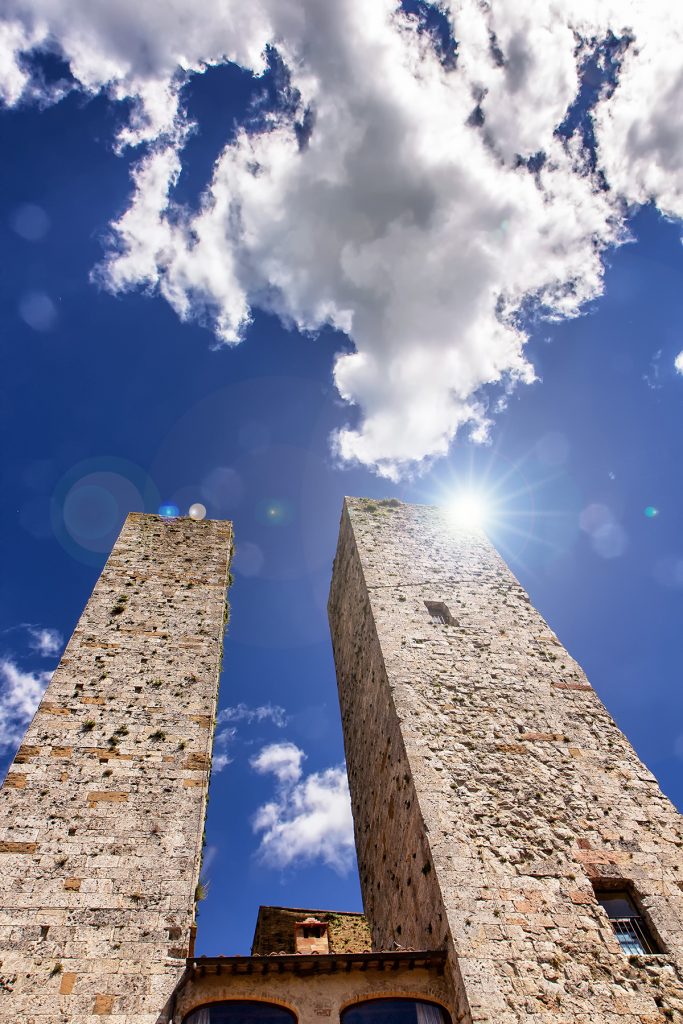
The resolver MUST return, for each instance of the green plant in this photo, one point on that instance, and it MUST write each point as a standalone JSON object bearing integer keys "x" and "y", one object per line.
{"x": 88, "y": 725}
{"x": 156, "y": 683}
{"x": 57, "y": 969}
{"x": 158, "y": 735}
{"x": 201, "y": 890}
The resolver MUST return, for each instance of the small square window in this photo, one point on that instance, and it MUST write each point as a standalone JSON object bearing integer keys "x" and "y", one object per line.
{"x": 438, "y": 612}
{"x": 628, "y": 924}
{"x": 311, "y": 936}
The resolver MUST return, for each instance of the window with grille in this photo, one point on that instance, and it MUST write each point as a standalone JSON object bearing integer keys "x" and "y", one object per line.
{"x": 628, "y": 924}
{"x": 438, "y": 612}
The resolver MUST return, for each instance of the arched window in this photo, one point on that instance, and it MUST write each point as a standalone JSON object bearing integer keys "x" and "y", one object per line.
{"x": 241, "y": 1011}
{"x": 395, "y": 1011}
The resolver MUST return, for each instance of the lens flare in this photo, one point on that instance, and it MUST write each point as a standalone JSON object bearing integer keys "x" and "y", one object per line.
{"x": 275, "y": 512}
{"x": 469, "y": 510}
{"x": 169, "y": 511}
{"x": 89, "y": 504}
{"x": 651, "y": 512}
{"x": 529, "y": 507}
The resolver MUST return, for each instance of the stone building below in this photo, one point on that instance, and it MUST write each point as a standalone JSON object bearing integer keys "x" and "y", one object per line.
{"x": 518, "y": 862}
{"x": 291, "y": 930}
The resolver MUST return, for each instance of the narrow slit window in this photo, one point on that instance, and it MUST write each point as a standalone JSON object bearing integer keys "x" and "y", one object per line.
{"x": 628, "y": 924}
{"x": 438, "y": 612}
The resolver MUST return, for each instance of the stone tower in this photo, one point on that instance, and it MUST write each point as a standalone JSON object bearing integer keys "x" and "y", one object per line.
{"x": 495, "y": 801}
{"x": 103, "y": 807}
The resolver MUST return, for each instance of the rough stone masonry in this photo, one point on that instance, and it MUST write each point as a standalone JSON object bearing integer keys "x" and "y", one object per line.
{"x": 492, "y": 792}
{"x": 102, "y": 811}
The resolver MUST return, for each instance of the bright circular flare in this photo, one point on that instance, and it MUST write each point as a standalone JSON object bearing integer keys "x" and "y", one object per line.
{"x": 169, "y": 511}
{"x": 469, "y": 511}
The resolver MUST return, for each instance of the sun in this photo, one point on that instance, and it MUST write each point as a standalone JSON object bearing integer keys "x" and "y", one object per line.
{"x": 504, "y": 501}
{"x": 469, "y": 510}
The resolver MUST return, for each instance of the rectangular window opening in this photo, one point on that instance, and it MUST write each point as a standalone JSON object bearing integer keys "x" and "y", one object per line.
{"x": 630, "y": 927}
{"x": 438, "y": 612}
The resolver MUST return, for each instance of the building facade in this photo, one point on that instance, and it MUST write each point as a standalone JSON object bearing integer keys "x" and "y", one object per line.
{"x": 499, "y": 812}
{"x": 518, "y": 862}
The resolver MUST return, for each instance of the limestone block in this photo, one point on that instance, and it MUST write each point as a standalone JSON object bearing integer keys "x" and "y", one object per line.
{"x": 490, "y": 788}
{"x": 100, "y": 837}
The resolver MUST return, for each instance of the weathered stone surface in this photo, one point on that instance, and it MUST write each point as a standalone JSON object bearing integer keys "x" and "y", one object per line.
{"x": 313, "y": 993}
{"x": 490, "y": 787}
{"x": 100, "y": 836}
{"x": 274, "y": 932}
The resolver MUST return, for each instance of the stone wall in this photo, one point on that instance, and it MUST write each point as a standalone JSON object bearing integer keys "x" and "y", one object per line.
{"x": 315, "y": 992}
{"x": 274, "y": 932}
{"x": 102, "y": 810}
{"x": 490, "y": 787}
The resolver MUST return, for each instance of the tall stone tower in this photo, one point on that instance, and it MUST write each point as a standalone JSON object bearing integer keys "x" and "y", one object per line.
{"x": 103, "y": 808}
{"x": 499, "y": 812}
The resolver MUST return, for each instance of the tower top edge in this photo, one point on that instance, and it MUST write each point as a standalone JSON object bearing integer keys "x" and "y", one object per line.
{"x": 153, "y": 517}
{"x": 351, "y": 499}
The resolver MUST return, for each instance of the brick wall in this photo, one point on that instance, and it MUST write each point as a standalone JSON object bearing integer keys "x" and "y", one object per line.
{"x": 102, "y": 811}
{"x": 490, "y": 787}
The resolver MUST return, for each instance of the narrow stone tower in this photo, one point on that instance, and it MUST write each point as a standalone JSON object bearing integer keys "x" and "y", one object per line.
{"x": 103, "y": 808}
{"x": 499, "y": 812}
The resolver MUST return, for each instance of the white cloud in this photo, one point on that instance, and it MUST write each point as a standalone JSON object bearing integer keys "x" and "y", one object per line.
{"x": 283, "y": 760}
{"x": 138, "y": 51}
{"x": 278, "y": 758}
{"x": 309, "y": 818}
{"x": 410, "y": 219}
{"x": 678, "y": 363}
{"x": 48, "y": 642}
{"x": 264, "y": 712}
{"x": 640, "y": 127}
{"x": 220, "y": 761}
{"x": 222, "y": 741}
{"x": 653, "y": 374}
{"x": 20, "y": 694}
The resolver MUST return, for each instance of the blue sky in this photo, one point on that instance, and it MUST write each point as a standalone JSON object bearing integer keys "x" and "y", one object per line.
{"x": 110, "y": 403}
